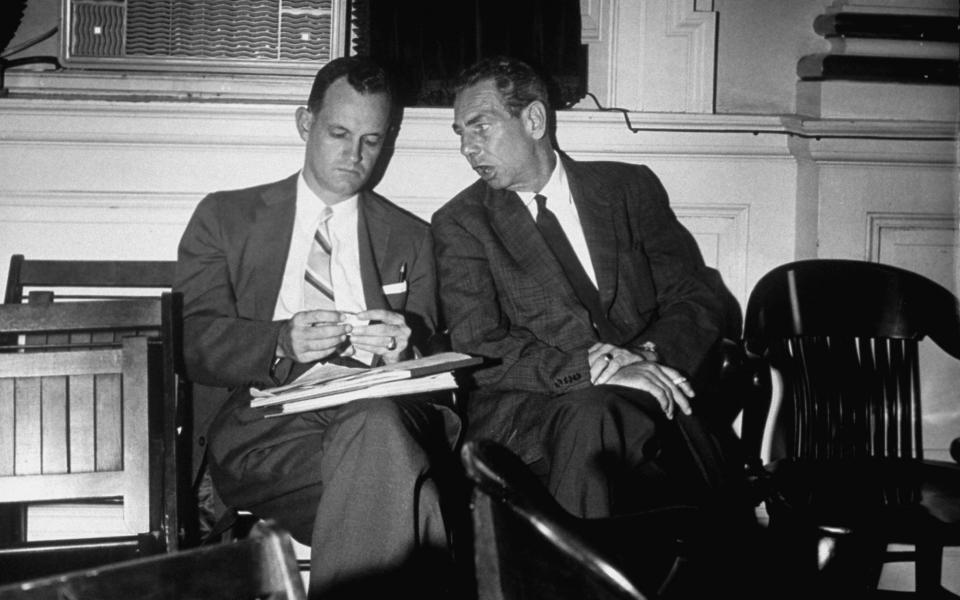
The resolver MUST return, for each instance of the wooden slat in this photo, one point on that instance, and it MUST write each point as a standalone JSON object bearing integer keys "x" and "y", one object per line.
{"x": 62, "y": 486}
{"x": 82, "y": 424}
{"x": 53, "y": 426}
{"x": 7, "y": 419}
{"x": 28, "y": 432}
{"x": 97, "y": 273}
{"x": 108, "y": 409}
{"x": 83, "y": 316}
{"x": 42, "y": 364}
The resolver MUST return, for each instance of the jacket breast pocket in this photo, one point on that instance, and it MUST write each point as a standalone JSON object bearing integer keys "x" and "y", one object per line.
{"x": 390, "y": 289}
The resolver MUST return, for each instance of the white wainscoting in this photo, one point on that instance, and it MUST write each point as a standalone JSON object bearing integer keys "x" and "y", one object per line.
{"x": 108, "y": 179}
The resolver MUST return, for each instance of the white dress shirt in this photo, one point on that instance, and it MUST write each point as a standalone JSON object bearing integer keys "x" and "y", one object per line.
{"x": 344, "y": 258}
{"x": 560, "y": 203}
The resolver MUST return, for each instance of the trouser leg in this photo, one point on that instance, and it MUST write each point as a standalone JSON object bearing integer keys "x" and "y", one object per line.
{"x": 380, "y": 515}
{"x": 599, "y": 445}
{"x": 356, "y": 483}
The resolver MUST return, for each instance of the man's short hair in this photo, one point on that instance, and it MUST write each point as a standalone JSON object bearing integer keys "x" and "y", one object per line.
{"x": 363, "y": 74}
{"x": 517, "y": 82}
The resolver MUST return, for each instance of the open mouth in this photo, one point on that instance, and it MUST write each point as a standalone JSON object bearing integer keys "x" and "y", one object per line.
{"x": 484, "y": 171}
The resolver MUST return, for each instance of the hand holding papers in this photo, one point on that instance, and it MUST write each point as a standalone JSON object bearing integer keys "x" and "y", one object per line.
{"x": 329, "y": 385}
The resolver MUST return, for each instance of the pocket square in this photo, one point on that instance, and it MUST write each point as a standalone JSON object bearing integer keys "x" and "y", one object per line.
{"x": 395, "y": 288}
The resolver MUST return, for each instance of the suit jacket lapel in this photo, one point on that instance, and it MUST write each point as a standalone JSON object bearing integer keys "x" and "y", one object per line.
{"x": 270, "y": 241}
{"x": 518, "y": 232}
{"x": 374, "y": 238}
{"x": 595, "y": 209}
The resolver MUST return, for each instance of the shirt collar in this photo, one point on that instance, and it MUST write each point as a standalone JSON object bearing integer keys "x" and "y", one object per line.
{"x": 312, "y": 205}
{"x": 556, "y": 186}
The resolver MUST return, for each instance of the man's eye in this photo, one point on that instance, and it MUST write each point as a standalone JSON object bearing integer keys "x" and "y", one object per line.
{"x": 372, "y": 142}
{"x": 338, "y": 134}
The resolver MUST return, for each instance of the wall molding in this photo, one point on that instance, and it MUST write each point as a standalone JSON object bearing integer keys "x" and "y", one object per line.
{"x": 887, "y": 221}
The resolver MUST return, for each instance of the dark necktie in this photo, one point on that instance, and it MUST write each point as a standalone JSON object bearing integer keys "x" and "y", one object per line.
{"x": 586, "y": 292}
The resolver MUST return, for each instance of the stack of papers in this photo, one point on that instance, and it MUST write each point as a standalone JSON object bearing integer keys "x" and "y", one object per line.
{"x": 326, "y": 385}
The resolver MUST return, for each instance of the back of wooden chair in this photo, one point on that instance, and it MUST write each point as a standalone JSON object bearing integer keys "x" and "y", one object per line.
{"x": 87, "y": 279}
{"x": 42, "y": 281}
{"x": 45, "y": 281}
{"x": 75, "y": 422}
{"x": 262, "y": 566}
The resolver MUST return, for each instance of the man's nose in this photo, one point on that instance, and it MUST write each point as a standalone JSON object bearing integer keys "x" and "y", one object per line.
{"x": 468, "y": 146}
{"x": 356, "y": 151}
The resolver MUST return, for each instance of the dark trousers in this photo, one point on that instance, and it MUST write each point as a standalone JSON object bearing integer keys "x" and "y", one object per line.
{"x": 608, "y": 450}
{"x": 356, "y": 482}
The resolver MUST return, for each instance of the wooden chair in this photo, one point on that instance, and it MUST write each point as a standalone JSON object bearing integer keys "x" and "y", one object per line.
{"x": 843, "y": 337}
{"x": 40, "y": 281}
{"x": 525, "y": 544}
{"x": 259, "y": 567}
{"x": 75, "y": 423}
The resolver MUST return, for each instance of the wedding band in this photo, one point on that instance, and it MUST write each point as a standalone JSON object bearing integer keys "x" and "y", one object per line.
{"x": 392, "y": 345}
{"x": 679, "y": 380}
{"x": 608, "y": 357}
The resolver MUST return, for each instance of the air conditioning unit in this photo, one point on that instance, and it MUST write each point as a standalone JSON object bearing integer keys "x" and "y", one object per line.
{"x": 231, "y": 36}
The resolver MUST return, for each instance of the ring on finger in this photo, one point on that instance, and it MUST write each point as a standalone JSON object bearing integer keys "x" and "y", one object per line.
{"x": 608, "y": 357}
{"x": 392, "y": 344}
{"x": 679, "y": 380}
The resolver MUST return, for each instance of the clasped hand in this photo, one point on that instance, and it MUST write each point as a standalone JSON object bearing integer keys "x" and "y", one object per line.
{"x": 617, "y": 366}
{"x": 313, "y": 335}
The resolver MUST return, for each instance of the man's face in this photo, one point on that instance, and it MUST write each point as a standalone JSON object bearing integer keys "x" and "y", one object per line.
{"x": 343, "y": 140}
{"x": 498, "y": 146}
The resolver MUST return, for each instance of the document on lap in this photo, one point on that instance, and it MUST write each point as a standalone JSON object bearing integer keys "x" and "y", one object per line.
{"x": 328, "y": 385}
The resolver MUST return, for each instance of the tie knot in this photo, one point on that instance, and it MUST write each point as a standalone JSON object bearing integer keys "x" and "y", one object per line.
{"x": 541, "y": 201}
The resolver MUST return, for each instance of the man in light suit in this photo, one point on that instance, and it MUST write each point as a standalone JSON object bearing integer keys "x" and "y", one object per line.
{"x": 595, "y": 336}
{"x": 354, "y": 481}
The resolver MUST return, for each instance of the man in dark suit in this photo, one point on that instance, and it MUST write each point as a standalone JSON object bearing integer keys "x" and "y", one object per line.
{"x": 589, "y": 299}
{"x": 256, "y": 267}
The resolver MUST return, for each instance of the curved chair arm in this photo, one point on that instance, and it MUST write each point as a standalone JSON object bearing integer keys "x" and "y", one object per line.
{"x": 511, "y": 503}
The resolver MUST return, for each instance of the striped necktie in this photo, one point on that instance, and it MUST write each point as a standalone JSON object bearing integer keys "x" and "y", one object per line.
{"x": 318, "y": 291}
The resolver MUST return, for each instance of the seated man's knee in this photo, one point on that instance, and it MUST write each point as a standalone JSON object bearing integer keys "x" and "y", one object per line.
{"x": 597, "y": 406}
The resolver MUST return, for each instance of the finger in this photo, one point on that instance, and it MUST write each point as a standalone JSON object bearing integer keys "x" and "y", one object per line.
{"x": 684, "y": 403}
{"x": 380, "y": 314}
{"x": 379, "y": 341}
{"x": 323, "y": 330}
{"x": 681, "y": 391}
{"x": 679, "y": 383}
{"x": 599, "y": 364}
{"x": 324, "y": 344}
{"x": 309, "y": 317}
{"x": 666, "y": 403}
{"x": 598, "y": 351}
{"x": 610, "y": 369}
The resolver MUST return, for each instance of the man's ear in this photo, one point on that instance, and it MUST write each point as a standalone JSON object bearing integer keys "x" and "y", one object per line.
{"x": 304, "y": 120}
{"x": 534, "y": 117}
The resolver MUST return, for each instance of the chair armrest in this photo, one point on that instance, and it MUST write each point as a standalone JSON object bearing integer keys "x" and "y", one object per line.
{"x": 738, "y": 378}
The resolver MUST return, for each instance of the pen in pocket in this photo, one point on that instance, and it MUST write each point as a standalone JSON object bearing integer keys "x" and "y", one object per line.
{"x": 403, "y": 271}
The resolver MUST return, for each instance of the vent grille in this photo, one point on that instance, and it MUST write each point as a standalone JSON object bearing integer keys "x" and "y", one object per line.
{"x": 231, "y": 35}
